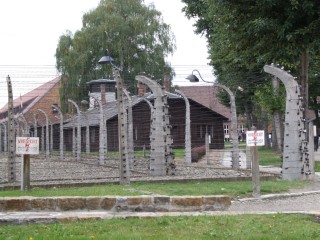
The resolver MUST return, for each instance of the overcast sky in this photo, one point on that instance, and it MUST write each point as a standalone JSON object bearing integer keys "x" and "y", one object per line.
{"x": 30, "y": 31}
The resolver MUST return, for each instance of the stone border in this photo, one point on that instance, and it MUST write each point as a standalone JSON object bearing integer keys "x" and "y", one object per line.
{"x": 117, "y": 203}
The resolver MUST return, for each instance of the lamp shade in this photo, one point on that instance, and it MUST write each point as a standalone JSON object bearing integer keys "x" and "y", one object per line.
{"x": 192, "y": 78}
{"x": 106, "y": 60}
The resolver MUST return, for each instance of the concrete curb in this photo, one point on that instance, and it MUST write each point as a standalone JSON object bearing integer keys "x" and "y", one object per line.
{"x": 116, "y": 203}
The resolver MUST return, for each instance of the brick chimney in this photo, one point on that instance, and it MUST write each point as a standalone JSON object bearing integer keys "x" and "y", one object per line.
{"x": 103, "y": 93}
{"x": 141, "y": 89}
{"x": 166, "y": 82}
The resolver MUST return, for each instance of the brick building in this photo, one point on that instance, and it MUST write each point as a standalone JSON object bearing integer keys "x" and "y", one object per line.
{"x": 42, "y": 97}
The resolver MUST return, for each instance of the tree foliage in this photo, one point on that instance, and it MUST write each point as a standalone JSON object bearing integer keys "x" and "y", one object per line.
{"x": 243, "y": 36}
{"x": 133, "y": 33}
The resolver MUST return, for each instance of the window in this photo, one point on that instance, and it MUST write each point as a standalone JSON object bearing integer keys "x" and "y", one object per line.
{"x": 241, "y": 128}
{"x": 226, "y": 132}
{"x": 54, "y": 110}
{"x": 226, "y": 129}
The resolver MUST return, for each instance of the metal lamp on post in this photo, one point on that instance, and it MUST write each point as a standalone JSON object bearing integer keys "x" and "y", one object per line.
{"x": 123, "y": 159}
{"x": 234, "y": 120}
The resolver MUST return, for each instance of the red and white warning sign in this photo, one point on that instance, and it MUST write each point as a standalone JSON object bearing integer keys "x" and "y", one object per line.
{"x": 27, "y": 145}
{"x": 255, "y": 138}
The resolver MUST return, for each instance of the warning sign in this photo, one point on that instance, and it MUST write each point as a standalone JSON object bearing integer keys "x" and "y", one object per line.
{"x": 27, "y": 145}
{"x": 255, "y": 138}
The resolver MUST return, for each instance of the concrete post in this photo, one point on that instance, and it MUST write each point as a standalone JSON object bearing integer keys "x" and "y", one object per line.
{"x": 207, "y": 147}
{"x": 87, "y": 135}
{"x": 35, "y": 127}
{"x": 129, "y": 130}
{"x": 296, "y": 160}
{"x": 5, "y": 143}
{"x": 61, "y": 131}
{"x": 187, "y": 129}
{"x": 11, "y": 136}
{"x": 162, "y": 161}
{"x": 102, "y": 133}
{"x": 78, "y": 129}
{"x": 152, "y": 128}
{"x": 42, "y": 139}
{"x": 26, "y": 126}
{"x": 51, "y": 137}
{"x": 234, "y": 127}
{"x": 255, "y": 171}
{"x": 123, "y": 160}
{"x": 1, "y": 140}
{"x": 47, "y": 134}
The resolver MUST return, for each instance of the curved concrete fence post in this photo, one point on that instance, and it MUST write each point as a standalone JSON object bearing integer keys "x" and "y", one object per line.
{"x": 1, "y": 138}
{"x": 296, "y": 153}
{"x": 162, "y": 160}
{"x": 234, "y": 126}
{"x": 35, "y": 125}
{"x": 87, "y": 134}
{"x": 5, "y": 139}
{"x": 103, "y": 146}
{"x": 129, "y": 130}
{"x": 47, "y": 133}
{"x": 78, "y": 129}
{"x": 152, "y": 128}
{"x": 187, "y": 129}
{"x": 11, "y": 135}
{"x": 51, "y": 137}
{"x": 61, "y": 131}
{"x": 26, "y": 125}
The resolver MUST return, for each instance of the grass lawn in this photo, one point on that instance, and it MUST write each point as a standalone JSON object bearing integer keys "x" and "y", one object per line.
{"x": 317, "y": 166}
{"x": 268, "y": 157}
{"x": 239, "y": 227}
{"x": 233, "y": 189}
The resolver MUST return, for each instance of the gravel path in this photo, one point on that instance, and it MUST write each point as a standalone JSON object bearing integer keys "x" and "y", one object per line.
{"x": 306, "y": 199}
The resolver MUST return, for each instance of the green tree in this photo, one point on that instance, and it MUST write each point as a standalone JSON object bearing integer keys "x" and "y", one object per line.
{"x": 245, "y": 35}
{"x": 133, "y": 33}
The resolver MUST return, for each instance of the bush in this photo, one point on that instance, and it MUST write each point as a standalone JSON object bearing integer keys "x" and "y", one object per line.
{"x": 197, "y": 153}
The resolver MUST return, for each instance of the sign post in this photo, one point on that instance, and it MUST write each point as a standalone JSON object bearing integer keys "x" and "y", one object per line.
{"x": 254, "y": 139}
{"x": 26, "y": 146}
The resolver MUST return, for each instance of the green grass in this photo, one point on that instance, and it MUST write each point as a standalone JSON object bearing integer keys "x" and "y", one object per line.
{"x": 278, "y": 226}
{"x": 233, "y": 189}
{"x": 317, "y": 166}
{"x": 268, "y": 157}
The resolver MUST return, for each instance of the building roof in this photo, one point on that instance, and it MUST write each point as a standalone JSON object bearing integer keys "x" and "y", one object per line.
{"x": 110, "y": 110}
{"x": 29, "y": 99}
{"x": 207, "y": 96}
